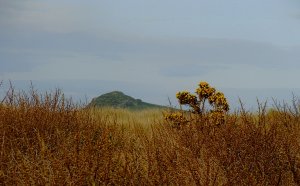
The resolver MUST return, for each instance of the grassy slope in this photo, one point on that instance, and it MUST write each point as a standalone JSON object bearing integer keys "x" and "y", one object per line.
{"x": 50, "y": 141}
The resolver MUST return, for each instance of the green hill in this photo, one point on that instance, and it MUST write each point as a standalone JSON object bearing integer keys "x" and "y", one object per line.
{"x": 117, "y": 99}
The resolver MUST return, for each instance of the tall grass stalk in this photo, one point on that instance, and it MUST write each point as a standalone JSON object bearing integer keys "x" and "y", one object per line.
{"x": 46, "y": 139}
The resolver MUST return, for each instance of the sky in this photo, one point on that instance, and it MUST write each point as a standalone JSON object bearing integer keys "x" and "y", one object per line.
{"x": 247, "y": 49}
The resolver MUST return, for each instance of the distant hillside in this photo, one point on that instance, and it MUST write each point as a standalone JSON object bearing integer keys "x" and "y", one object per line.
{"x": 118, "y": 99}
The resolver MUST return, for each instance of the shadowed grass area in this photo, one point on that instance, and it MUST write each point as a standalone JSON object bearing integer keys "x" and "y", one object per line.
{"x": 46, "y": 139}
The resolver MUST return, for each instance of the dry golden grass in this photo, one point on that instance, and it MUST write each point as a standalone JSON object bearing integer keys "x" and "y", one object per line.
{"x": 47, "y": 140}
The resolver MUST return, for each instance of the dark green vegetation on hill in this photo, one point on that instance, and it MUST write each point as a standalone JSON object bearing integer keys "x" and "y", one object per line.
{"x": 46, "y": 139}
{"x": 117, "y": 99}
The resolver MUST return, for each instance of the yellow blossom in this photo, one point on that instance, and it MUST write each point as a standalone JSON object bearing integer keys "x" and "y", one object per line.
{"x": 218, "y": 103}
{"x": 205, "y": 91}
{"x": 186, "y": 98}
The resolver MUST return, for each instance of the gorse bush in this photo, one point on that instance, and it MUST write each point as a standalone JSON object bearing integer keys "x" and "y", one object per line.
{"x": 197, "y": 103}
{"x": 46, "y": 139}
{"x": 246, "y": 148}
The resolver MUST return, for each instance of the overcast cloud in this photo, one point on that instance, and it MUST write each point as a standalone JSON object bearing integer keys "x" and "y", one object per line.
{"x": 151, "y": 49}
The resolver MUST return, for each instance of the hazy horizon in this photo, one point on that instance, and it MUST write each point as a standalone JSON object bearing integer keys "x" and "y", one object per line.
{"x": 152, "y": 49}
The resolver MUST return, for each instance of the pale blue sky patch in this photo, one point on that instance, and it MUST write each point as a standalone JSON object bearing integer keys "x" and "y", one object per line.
{"x": 151, "y": 49}
{"x": 190, "y": 70}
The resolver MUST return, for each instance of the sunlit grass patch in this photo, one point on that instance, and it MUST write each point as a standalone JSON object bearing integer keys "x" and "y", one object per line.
{"x": 46, "y": 139}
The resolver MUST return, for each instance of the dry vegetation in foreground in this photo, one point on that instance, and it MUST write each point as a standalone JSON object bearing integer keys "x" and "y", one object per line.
{"x": 47, "y": 140}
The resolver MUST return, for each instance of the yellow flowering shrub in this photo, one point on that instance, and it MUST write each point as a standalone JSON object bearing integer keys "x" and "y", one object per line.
{"x": 217, "y": 117}
{"x": 205, "y": 91}
{"x": 176, "y": 118}
{"x": 205, "y": 96}
{"x": 218, "y": 101}
{"x": 186, "y": 98}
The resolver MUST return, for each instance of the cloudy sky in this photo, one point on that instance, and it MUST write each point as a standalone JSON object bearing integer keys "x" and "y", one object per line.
{"x": 152, "y": 49}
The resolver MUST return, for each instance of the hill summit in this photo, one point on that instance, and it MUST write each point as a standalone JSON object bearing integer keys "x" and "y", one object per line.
{"x": 117, "y": 99}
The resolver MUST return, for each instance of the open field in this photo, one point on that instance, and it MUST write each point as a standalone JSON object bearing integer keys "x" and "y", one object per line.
{"x": 47, "y": 140}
